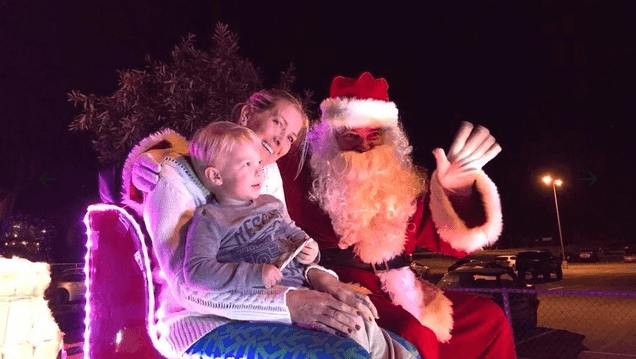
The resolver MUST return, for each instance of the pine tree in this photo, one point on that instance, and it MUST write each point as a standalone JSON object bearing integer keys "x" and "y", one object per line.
{"x": 192, "y": 89}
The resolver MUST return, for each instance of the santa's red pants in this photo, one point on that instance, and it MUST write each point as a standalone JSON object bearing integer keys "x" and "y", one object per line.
{"x": 480, "y": 331}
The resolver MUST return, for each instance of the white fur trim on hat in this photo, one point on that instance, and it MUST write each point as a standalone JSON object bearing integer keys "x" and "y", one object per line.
{"x": 351, "y": 112}
{"x": 452, "y": 229}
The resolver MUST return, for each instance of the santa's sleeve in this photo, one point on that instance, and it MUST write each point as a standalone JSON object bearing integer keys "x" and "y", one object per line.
{"x": 457, "y": 225}
{"x": 162, "y": 143}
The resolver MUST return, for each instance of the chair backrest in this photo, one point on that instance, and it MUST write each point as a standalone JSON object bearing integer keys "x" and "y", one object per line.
{"x": 120, "y": 320}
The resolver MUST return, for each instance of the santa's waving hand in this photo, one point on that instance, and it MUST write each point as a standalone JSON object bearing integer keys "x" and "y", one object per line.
{"x": 471, "y": 149}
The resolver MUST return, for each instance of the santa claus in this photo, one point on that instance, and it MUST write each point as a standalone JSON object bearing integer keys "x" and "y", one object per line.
{"x": 381, "y": 207}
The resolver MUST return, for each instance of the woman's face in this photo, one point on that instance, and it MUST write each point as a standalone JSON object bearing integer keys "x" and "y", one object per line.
{"x": 278, "y": 129}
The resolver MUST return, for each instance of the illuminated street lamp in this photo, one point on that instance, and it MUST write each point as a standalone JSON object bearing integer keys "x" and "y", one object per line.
{"x": 557, "y": 182}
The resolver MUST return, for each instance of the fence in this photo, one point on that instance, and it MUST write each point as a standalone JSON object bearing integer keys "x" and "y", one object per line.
{"x": 568, "y": 324}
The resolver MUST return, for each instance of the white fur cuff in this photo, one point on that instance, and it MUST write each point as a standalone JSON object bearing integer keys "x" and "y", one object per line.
{"x": 423, "y": 300}
{"x": 452, "y": 228}
{"x": 319, "y": 267}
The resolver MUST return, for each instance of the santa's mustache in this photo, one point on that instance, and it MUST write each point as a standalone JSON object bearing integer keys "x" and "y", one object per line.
{"x": 357, "y": 166}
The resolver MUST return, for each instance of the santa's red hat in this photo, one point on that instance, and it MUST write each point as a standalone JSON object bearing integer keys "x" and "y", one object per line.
{"x": 361, "y": 102}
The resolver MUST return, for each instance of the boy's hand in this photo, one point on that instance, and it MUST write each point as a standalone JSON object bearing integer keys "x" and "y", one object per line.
{"x": 271, "y": 275}
{"x": 309, "y": 253}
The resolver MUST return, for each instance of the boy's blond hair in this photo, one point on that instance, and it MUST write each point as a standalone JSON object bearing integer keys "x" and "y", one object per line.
{"x": 218, "y": 140}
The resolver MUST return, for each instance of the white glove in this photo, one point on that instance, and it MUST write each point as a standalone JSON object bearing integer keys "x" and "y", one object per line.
{"x": 468, "y": 153}
{"x": 145, "y": 172}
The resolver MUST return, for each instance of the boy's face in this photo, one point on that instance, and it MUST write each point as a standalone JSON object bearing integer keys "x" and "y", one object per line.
{"x": 242, "y": 174}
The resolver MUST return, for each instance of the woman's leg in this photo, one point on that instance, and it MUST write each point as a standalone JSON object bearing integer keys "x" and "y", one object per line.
{"x": 481, "y": 330}
{"x": 401, "y": 322}
{"x": 378, "y": 342}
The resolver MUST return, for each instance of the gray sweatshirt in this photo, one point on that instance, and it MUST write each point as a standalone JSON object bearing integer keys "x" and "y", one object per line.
{"x": 227, "y": 245}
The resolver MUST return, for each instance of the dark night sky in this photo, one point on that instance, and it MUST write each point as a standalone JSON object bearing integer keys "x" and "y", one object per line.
{"x": 552, "y": 80}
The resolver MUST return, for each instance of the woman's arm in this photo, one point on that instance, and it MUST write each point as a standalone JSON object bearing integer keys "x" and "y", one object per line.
{"x": 166, "y": 211}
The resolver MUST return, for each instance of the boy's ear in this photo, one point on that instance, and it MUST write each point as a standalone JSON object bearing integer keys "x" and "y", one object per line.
{"x": 213, "y": 175}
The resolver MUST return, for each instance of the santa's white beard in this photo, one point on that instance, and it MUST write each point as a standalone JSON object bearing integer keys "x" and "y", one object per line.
{"x": 369, "y": 197}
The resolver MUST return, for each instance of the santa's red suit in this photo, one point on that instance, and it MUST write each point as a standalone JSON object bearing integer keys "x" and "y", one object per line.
{"x": 447, "y": 324}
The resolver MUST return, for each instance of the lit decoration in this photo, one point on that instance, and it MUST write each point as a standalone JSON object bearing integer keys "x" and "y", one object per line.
{"x": 27, "y": 327}
{"x": 26, "y": 237}
{"x": 118, "y": 337}
{"x": 547, "y": 179}
{"x": 152, "y": 328}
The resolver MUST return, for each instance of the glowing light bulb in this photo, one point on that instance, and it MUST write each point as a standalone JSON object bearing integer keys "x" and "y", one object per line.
{"x": 547, "y": 180}
{"x": 118, "y": 337}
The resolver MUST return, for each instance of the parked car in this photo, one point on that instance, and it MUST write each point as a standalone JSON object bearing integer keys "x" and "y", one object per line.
{"x": 523, "y": 306}
{"x": 464, "y": 261}
{"x": 570, "y": 257}
{"x": 629, "y": 257}
{"x": 616, "y": 253}
{"x": 538, "y": 262}
{"x": 588, "y": 255}
{"x": 67, "y": 287}
{"x": 507, "y": 261}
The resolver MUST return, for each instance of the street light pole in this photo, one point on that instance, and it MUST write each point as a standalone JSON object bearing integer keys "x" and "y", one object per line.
{"x": 564, "y": 262}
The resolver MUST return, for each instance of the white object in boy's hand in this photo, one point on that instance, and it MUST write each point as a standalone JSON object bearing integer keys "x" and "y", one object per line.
{"x": 294, "y": 254}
